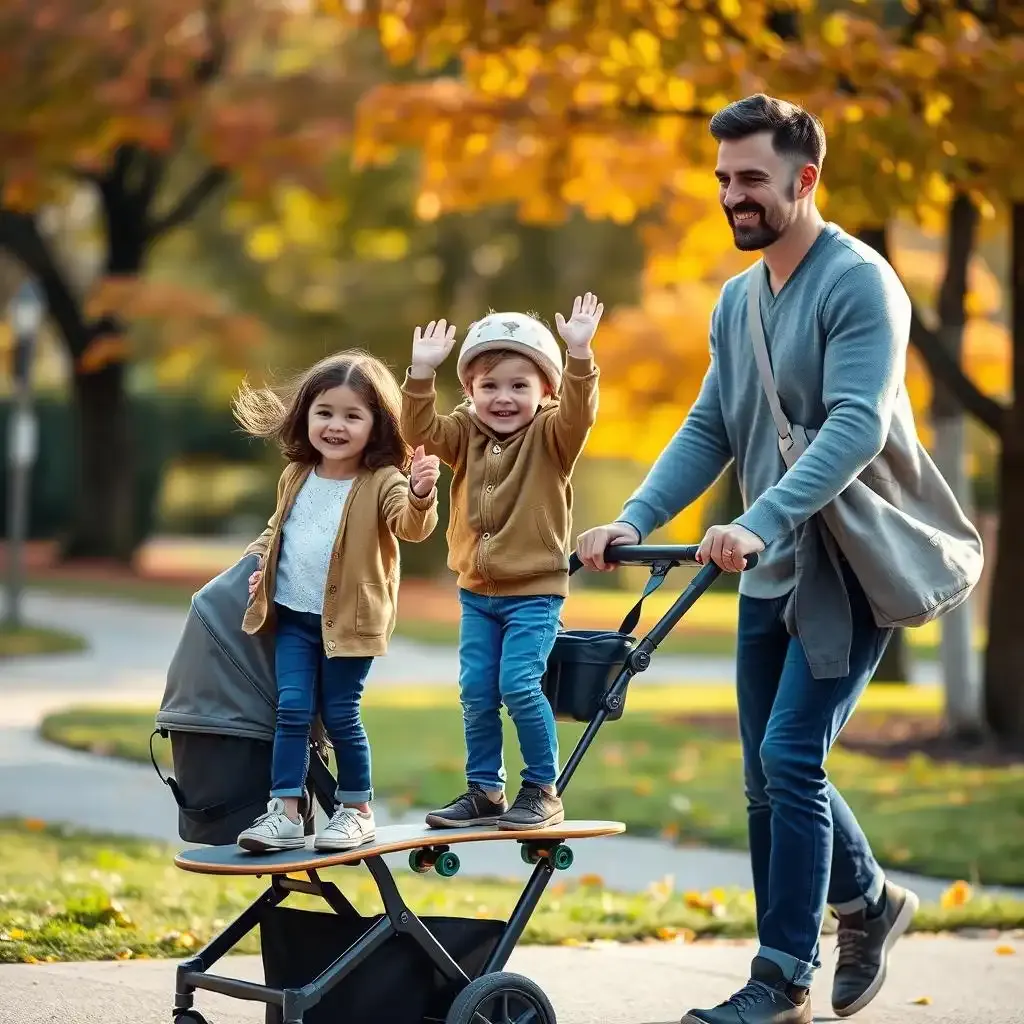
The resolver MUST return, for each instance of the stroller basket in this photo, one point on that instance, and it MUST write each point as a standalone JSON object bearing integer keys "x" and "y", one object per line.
{"x": 581, "y": 669}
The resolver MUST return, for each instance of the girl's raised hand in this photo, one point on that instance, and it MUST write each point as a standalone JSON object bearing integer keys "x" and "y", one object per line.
{"x": 430, "y": 347}
{"x": 579, "y": 329}
{"x": 424, "y": 473}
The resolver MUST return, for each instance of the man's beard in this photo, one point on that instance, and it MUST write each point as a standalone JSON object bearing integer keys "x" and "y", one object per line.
{"x": 754, "y": 234}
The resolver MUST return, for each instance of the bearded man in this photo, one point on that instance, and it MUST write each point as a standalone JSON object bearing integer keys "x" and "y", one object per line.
{"x": 837, "y": 322}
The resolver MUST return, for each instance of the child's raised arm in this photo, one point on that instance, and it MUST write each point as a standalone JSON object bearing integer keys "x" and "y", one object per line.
{"x": 410, "y": 515}
{"x": 442, "y": 436}
{"x": 568, "y": 429}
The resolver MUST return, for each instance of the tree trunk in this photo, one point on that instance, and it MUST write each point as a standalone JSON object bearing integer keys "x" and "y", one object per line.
{"x": 1004, "y": 658}
{"x": 895, "y": 666}
{"x": 103, "y": 525}
{"x": 960, "y": 671}
{"x": 961, "y": 677}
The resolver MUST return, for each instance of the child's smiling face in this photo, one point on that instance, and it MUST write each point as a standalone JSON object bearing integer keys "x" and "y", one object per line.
{"x": 507, "y": 394}
{"x": 340, "y": 424}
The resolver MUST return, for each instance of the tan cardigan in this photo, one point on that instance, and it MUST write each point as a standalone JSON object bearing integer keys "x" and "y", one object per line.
{"x": 361, "y": 590}
{"x": 511, "y": 498}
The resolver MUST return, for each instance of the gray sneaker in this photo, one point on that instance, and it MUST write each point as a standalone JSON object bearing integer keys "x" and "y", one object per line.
{"x": 767, "y": 998}
{"x": 863, "y": 946}
{"x": 472, "y": 808}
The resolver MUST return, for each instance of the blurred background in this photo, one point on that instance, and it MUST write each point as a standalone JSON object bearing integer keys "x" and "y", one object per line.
{"x": 205, "y": 190}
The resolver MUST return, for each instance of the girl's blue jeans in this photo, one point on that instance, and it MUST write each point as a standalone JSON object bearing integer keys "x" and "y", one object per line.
{"x": 504, "y": 644}
{"x": 306, "y": 677}
{"x": 806, "y": 847}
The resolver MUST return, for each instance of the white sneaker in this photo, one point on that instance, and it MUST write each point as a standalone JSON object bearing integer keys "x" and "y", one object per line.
{"x": 348, "y": 829}
{"x": 273, "y": 831}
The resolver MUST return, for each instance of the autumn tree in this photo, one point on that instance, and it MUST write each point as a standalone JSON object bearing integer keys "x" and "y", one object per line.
{"x": 563, "y": 105}
{"x": 149, "y": 108}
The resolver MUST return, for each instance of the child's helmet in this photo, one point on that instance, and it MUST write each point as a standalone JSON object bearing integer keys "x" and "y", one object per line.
{"x": 519, "y": 333}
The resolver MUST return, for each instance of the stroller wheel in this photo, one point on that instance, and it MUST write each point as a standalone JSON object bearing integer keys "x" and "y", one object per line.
{"x": 189, "y": 1017}
{"x": 501, "y": 998}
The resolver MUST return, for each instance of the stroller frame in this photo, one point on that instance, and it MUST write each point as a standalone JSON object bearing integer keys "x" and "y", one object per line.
{"x": 398, "y": 919}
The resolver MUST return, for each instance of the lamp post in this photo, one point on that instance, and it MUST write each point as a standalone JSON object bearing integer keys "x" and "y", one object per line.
{"x": 26, "y": 313}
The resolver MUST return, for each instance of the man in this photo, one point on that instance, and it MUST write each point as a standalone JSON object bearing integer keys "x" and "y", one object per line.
{"x": 836, "y": 319}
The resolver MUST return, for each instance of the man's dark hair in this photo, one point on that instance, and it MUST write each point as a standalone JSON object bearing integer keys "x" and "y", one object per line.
{"x": 795, "y": 132}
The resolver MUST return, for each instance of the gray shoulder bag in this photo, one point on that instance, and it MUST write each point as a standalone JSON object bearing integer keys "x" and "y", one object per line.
{"x": 899, "y": 526}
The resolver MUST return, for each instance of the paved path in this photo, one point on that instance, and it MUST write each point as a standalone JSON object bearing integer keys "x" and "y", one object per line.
{"x": 966, "y": 981}
{"x": 130, "y": 648}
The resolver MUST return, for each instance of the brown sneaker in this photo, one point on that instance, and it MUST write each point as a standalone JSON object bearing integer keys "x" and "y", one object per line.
{"x": 534, "y": 807}
{"x": 767, "y": 998}
{"x": 863, "y": 944}
{"x": 474, "y": 807}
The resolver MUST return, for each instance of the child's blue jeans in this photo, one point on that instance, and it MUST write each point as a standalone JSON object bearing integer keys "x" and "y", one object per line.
{"x": 504, "y": 644}
{"x": 304, "y": 675}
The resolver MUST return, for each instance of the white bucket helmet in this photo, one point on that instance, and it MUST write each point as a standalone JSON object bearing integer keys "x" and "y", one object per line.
{"x": 518, "y": 333}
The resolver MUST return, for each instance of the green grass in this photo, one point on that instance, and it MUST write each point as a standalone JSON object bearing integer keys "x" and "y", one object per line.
{"x": 68, "y": 895}
{"x": 664, "y": 773}
{"x": 25, "y": 641}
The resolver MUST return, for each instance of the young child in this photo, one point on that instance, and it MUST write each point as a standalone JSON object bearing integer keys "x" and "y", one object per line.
{"x": 327, "y": 580}
{"x": 512, "y": 447}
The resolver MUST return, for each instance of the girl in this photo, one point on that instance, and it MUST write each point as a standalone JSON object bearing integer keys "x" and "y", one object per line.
{"x": 512, "y": 448}
{"x": 327, "y": 580}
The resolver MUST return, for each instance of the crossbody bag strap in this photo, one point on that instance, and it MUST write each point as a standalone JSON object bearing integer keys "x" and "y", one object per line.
{"x": 764, "y": 366}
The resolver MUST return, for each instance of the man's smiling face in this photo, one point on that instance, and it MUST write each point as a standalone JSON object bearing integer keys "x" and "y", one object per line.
{"x": 758, "y": 190}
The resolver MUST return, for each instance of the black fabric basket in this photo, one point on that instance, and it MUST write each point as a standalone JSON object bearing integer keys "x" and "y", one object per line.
{"x": 397, "y": 983}
{"x": 220, "y": 784}
{"x": 582, "y": 666}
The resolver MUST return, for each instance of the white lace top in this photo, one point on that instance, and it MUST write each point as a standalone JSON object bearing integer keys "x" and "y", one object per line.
{"x": 307, "y": 539}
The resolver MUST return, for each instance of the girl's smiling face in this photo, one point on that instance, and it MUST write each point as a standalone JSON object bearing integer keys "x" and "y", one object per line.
{"x": 340, "y": 424}
{"x": 506, "y": 396}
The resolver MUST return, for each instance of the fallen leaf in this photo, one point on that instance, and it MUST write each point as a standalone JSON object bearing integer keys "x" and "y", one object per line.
{"x": 1005, "y": 950}
{"x": 921, "y": 1001}
{"x": 34, "y": 824}
{"x": 957, "y": 895}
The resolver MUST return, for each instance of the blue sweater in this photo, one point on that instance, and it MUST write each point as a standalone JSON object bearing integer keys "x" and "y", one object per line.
{"x": 837, "y": 333}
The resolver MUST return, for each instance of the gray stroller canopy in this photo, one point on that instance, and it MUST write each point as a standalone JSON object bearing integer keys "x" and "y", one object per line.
{"x": 220, "y": 679}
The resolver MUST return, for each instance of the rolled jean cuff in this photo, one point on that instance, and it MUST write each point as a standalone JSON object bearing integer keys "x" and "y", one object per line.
{"x": 284, "y": 793}
{"x": 796, "y": 972}
{"x": 491, "y": 785}
{"x": 872, "y": 896}
{"x": 353, "y": 796}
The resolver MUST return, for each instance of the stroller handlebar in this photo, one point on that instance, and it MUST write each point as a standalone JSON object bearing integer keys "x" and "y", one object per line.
{"x": 649, "y": 554}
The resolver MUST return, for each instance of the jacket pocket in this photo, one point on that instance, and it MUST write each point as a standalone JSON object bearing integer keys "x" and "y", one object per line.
{"x": 373, "y": 609}
{"x": 547, "y": 535}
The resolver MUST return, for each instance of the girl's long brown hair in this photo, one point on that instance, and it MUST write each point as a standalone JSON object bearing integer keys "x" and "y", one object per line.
{"x": 283, "y": 413}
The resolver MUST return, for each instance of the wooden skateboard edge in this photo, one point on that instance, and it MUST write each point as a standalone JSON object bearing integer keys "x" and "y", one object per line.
{"x": 249, "y": 864}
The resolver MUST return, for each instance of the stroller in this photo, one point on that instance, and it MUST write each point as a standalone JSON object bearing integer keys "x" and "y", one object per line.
{"x": 218, "y": 711}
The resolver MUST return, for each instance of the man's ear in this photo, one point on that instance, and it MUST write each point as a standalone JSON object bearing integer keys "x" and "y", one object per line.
{"x": 806, "y": 180}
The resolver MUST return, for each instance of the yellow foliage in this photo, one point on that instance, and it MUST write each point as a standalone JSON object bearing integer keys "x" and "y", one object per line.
{"x": 564, "y": 105}
{"x": 265, "y": 243}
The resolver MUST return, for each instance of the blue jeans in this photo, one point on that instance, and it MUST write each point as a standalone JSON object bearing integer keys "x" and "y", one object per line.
{"x": 504, "y": 644}
{"x": 806, "y": 847}
{"x": 304, "y": 674}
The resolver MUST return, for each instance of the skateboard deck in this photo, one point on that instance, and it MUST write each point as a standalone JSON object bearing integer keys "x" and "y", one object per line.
{"x": 231, "y": 860}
